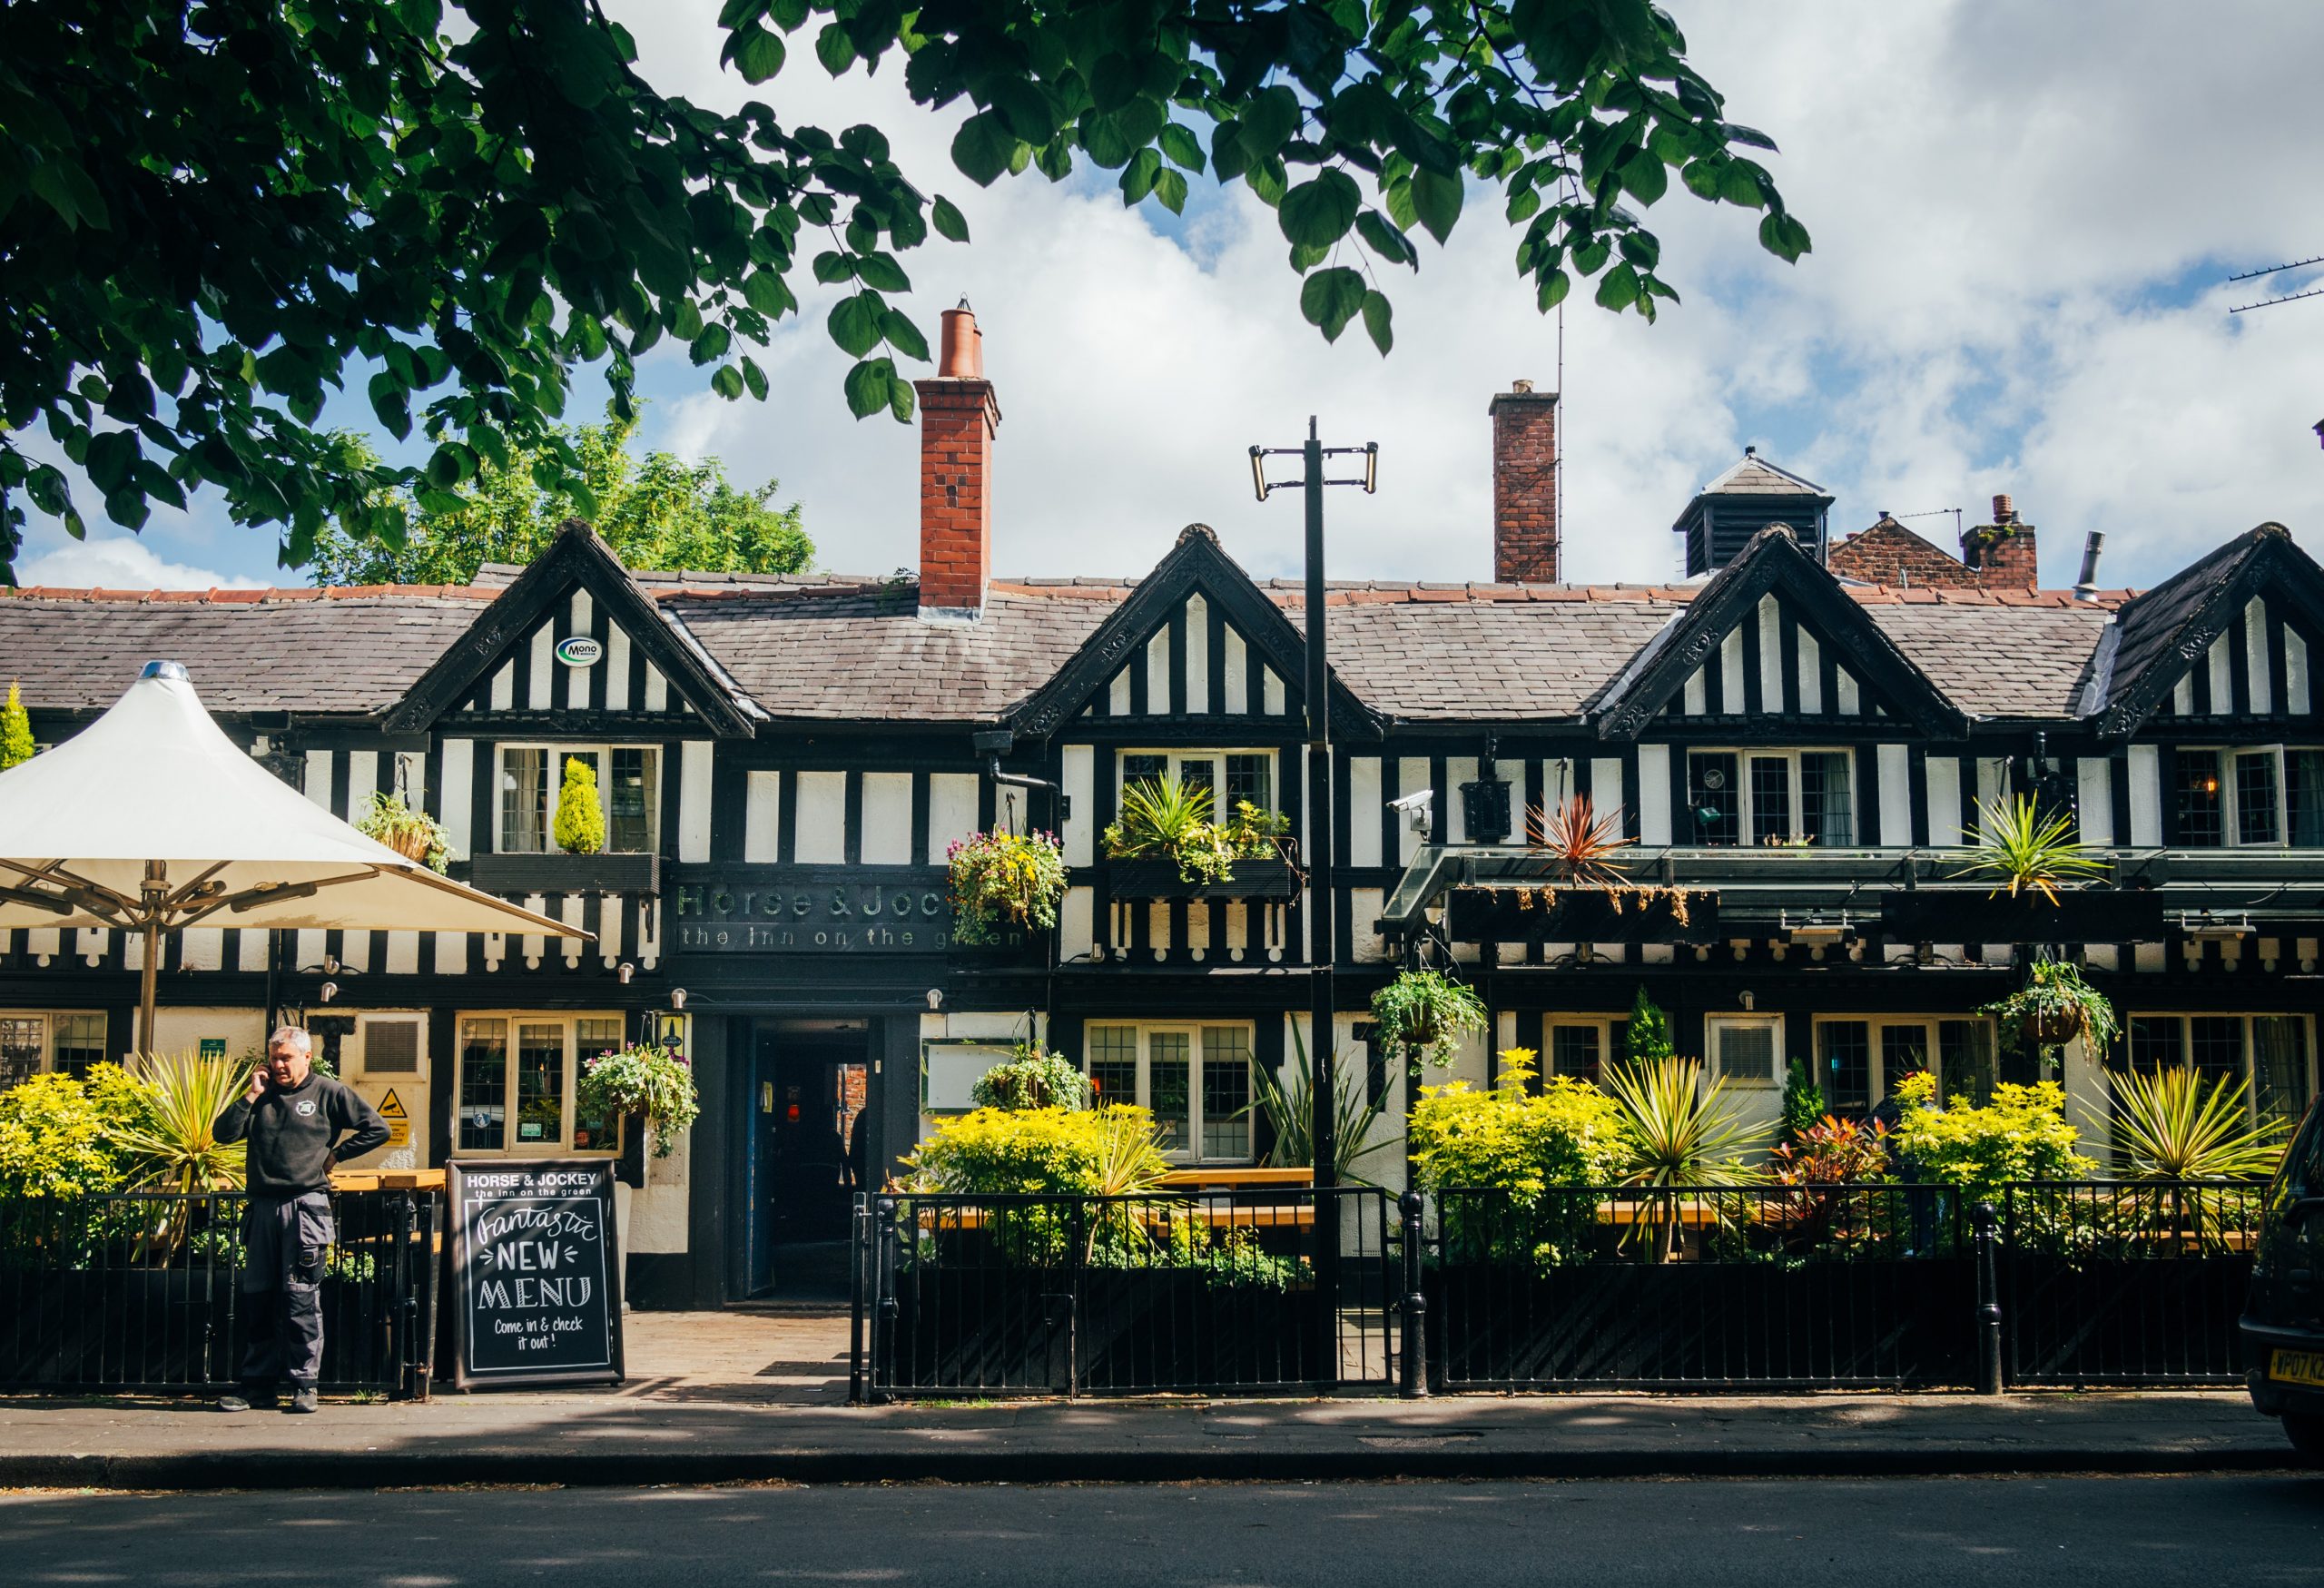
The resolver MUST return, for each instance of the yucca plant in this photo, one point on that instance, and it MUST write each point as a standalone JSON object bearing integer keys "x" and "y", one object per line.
{"x": 1290, "y": 1112}
{"x": 2168, "y": 1126}
{"x": 2022, "y": 851}
{"x": 173, "y": 1146}
{"x": 1579, "y": 844}
{"x": 1679, "y": 1132}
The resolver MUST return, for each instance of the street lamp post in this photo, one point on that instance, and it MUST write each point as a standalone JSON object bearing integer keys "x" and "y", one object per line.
{"x": 1322, "y": 948}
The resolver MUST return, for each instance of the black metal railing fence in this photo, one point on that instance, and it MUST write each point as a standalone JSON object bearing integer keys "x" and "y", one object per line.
{"x": 141, "y": 1291}
{"x": 1214, "y": 1292}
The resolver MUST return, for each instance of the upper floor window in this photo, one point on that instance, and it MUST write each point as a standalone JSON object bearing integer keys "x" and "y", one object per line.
{"x": 629, "y": 788}
{"x": 1579, "y": 1046}
{"x": 1233, "y": 776}
{"x": 31, "y": 1043}
{"x": 2263, "y": 795}
{"x": 1771, "y": 797}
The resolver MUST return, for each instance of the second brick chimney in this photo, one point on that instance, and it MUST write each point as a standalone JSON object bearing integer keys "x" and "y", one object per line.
{"x": 1524, "y": 485}
{"x": 958, "y": 422}
{"x": 2002, "y": 551}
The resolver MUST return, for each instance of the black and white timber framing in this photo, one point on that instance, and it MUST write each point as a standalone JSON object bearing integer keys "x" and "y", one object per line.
{"x": 809, "y": 742}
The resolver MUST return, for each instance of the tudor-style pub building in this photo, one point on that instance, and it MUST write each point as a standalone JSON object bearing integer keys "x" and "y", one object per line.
{"x": 1798, "y": 736}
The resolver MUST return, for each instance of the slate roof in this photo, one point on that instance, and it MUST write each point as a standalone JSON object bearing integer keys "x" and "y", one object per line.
{"x": 2153, "y": 624}
{"x": 353, "y": 650}
{"x": 835, "y": 647}
{"x": 844, "y": 652}
{"x": 1754, "y": 475}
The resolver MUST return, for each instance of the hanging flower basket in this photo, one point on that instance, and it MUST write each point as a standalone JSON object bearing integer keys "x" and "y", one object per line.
{"x": 1003, "y": 881}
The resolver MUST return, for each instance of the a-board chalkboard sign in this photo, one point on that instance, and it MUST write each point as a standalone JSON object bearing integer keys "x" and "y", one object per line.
{"x": 536, "y": 1272}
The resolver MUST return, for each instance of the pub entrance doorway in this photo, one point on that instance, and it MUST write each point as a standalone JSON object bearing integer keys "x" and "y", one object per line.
{"x": 810, "y": 1133}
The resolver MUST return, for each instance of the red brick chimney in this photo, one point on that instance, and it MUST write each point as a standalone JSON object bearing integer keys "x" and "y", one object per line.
{"x": 1524, "y": 485}
{"x": 2002, "y": 552}
{"x": 958, "y": 422}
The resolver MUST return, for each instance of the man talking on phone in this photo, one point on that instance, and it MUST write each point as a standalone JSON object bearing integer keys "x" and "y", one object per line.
{"x": 292, "y": 1117}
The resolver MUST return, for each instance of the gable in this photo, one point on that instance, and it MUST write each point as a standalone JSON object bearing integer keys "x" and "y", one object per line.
{"x": 574, "y": 640}
{"x": 1196, "y": 639}
{"x": 2231, "y": 637}
{"x": 1772, "y": 637}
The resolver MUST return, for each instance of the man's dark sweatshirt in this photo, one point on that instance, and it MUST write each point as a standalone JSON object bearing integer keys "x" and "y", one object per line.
{"x": 290, "y": 1131}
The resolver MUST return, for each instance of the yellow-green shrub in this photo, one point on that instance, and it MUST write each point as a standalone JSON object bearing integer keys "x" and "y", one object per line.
{"x": 580, "y": 824}
{"x": 2021, "y": 1135}
{"x": 62, "y": 1137}
{"x": 1065, "y": 1152}
{"x": 1510, "y": 1139}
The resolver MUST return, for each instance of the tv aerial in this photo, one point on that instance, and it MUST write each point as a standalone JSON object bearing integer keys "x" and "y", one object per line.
{"x": 2317, "y": 291}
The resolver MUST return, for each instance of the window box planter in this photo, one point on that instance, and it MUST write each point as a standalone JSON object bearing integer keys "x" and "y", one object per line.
{"x": 1573, "y": 913}
{"x": 565, "y": 874}
{"x": 1971, "y": 915}
{"x": 1259, "y": 877}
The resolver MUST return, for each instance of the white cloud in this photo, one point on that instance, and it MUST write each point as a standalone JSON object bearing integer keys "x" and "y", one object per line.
{"x": 117, "y": 562}
{"x": 2008, "y": 203}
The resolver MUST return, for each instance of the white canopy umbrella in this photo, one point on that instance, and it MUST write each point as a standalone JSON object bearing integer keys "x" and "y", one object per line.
{"x": 151, "y": 819}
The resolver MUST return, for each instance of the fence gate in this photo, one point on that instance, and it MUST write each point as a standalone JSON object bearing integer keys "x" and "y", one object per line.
{"x": 1208, "y": 1292}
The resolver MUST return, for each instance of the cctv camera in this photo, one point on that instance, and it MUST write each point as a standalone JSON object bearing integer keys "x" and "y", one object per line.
{"x": 1410, "y": 802}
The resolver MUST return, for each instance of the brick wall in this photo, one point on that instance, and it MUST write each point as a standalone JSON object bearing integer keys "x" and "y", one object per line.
{"x": 2005, "y": 551}
{"x": 1890, "y": 554}
{"x": 1524, "y": 486}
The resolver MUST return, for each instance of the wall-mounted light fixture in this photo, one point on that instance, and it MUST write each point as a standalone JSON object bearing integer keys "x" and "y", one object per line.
{"x": 1746, "y": 1000}
{"x": 329, "y": 991}
{"x": 935, "y": 998}
{"x": 624, "y": 970}
{"x": 677, "y": 998}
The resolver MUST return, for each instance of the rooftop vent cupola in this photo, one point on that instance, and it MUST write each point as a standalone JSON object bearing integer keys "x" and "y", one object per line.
{"x": 959, "y": 420}
{"x": 1524, "y": 485}
{"x": 1724, "y": 516}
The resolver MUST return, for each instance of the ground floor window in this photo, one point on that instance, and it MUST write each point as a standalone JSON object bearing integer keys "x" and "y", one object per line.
{"x": 516, "y": 1082}
{"x": 32, "y": 1042}
{"x": 1746, "y": 1050}
{"x": 2274, "y": 1053}
{"x": 1579, "y": 1046}
{"x": 1196, "y": 1077}
{"x": 1861, "y": 1059}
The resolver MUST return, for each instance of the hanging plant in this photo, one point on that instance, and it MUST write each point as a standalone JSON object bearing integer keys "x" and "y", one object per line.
{"x": 1032, "y": 1077}
{"x": 580, "y": 826}
{"x": 649, "y": 1080}
{"x": 414, "y": 835}
{"x": 1002, "y": 881}
{"x": 1427, "y": 1010}
{"x": 2056, "y": 1006}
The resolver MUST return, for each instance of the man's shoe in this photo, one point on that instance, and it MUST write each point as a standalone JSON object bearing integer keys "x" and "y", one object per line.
{"x": 233, "y": 1403}
{"x": 306, "y": 1400}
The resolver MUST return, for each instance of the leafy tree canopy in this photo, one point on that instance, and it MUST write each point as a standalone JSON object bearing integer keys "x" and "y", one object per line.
{"x": 209, "y": 213}
{"x": 657, "y": 511}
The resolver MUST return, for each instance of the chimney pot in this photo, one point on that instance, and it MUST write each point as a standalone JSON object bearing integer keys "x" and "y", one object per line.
{"x": 1520, "y": 387}
{"x": 2004, "y": 511}
{"x": 959, "y": 345}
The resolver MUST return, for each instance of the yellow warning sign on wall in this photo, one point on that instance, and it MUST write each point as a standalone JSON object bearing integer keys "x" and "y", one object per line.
{"x": 391, "y": 1110}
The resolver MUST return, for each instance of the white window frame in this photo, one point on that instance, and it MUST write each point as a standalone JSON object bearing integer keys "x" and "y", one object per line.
{"x": 511, "y": 1146}
{"x": 2249, "y": 1071}
{"x": 604, "y": 752}
{"x": 1192, "y": 1029}
{"x": 2230, "y": 802}
{"x": 48, "y": 1019}
{"x": 1877, "y": 1082}
{"x": 1605, "y": 1025}
{"x": 1715, "y": 1026}
{"x": 1744, "y": 813}
{"x": 1175, "y": 760}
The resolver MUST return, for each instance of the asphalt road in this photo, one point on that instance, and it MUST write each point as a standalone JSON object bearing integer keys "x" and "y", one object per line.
{"x": 2260, "y": 1531}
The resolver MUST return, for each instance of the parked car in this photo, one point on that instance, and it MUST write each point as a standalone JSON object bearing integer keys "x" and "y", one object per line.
{"x": 2283, "y": 1321}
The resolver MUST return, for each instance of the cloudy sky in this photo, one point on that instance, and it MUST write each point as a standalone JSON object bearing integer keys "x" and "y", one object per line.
{"x": 2023, "y": 216}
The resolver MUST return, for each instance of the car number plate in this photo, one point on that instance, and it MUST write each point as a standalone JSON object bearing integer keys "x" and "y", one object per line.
{"x": 2298, "y": 1367}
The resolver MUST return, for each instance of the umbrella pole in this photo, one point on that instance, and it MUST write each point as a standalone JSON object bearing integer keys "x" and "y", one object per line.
{"x": 146, "y": 990}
